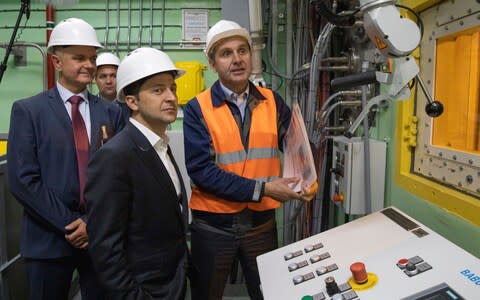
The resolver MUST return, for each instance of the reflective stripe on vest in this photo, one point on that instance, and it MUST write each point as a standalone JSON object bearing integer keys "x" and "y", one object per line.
{"x": 261, "y": 162}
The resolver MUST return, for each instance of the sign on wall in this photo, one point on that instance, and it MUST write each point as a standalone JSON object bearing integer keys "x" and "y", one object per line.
{"x": 194, "y": 27}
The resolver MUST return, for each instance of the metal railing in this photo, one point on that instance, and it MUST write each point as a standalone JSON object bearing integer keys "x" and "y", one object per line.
{"x": 12, "y": 268}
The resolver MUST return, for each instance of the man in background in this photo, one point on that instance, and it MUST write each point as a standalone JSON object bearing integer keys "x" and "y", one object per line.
{"x": 106, "y": 76}
{"x": 233, "y": 133}
{"x": 106, "y": 80}
{"x": 51, "y": 137}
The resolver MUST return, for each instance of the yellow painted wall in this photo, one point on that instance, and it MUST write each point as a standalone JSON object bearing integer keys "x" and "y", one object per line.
{"x": 457, "y": 203}
{"x": 451, "y": 213}
{"x": 3, "y": 148}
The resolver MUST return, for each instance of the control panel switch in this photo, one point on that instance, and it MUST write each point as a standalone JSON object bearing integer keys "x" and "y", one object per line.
{"x": 331, "y": 286}
{"x": 411, "y": 269}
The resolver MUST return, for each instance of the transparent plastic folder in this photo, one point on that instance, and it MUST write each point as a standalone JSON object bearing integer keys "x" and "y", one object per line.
{"x": 298, "y": 158}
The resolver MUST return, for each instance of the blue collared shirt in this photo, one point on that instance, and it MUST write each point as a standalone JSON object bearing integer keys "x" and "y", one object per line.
{"x": 200, "y": 155}
{"x": 231, "y": 96}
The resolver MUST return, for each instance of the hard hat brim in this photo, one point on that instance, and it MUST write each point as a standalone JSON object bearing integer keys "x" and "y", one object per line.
{"x": 238, "y": 32}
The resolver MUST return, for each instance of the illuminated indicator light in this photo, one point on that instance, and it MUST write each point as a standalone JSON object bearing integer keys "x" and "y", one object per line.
{"x": 402, "y": 263}
{"x": 338, "y": 197}
{"x": 452, "y": 295}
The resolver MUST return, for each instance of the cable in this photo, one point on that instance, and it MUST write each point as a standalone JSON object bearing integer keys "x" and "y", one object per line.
{"x": 276, "y": 75}
{"x": 419, "y": 20}
{"x": 346, "y": 20}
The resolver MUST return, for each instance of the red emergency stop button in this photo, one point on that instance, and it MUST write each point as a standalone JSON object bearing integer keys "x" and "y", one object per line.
{"x": 359, "y": 272}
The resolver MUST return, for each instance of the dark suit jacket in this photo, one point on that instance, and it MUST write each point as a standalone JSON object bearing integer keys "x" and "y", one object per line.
{"x": 136, "y": 227}
{"x": 42, "y": 168}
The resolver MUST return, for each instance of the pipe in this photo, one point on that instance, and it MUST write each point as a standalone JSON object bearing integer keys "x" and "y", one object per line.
{"x": 151, "y": 24}
{"x": 129, "y": 20}
{"x": 140, "y": 29}
{"x": 327, "y": 113}
{"x": 366, "y": 149}
{"x": 107, "y": 21}
{"x": 117, "y": 37}
{"x": 289, "y": 46}
{"x": 163, "y": 25}
{"x": 349, "y": 81}
{"x": 94, "y": 27}
{"x": 255, "y": 13}
{"x": 340, "y": 59}
{"x": 335, "y": 68}
{"x": 8, "y": 263}
{"x": 101, "y": 9}
{"x": 273, "y": 39}
{"x": 381, "y": 99}
{"x": 298, "y": 51}
{"x": 45, "y": 69}
{"x": 337, "y": 94}
{"x": 338, "y": 20}
{"x": 50, "y": 70}
{"x": 335, "y": 128}
{"x": 320, "y": 47}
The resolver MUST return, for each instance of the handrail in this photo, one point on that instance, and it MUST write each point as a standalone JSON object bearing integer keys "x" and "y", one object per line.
{"x": 44, "y": 56}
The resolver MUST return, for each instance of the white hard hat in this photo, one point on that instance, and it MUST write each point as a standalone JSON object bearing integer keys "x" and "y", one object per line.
{"x": 108, "y": 58}
{"x": 141, "y": 63}
{"x": 73, "y": 31}
{"x": 225, "y": 29}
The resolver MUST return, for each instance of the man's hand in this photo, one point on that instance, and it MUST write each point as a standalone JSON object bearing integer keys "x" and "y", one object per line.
{"x": 279, "y": 190}
{"x": 308, "y": 192}
{"x": 76, "y": 234}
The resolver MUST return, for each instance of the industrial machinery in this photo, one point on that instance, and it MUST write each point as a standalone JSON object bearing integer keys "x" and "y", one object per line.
{"x": 356, "y": 163}
{"x": 385, "y": 255}
{"x": 347, "y": 184}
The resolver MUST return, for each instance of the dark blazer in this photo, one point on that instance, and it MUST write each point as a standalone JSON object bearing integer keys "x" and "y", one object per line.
{"x": 136, "y": 228}
{"x": 42, "y": 168}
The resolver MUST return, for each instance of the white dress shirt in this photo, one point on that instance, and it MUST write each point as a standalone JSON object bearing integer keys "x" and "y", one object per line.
{"x": 160, "y": 145}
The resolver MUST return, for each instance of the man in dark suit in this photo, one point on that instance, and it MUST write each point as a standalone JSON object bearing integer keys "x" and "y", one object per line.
{"x": 136, "y": 199}
{"x": 50, "y": 140}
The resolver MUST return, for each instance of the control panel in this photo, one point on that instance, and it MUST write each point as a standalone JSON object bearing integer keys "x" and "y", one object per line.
{"x": 347, "y": 187}
{"x": 385, "y": 255}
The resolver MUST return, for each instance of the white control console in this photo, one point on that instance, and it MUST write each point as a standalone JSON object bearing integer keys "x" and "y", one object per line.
{"x": 403, "y": 260}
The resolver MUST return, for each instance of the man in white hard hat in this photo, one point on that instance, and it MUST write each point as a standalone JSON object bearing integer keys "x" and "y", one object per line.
{"x": 136, "y": 198}
{"x": 106, "y": 75}
{"x": 233, "y": 132}
{"x": 51, "y": 138}
{"x": 106, "y": 80}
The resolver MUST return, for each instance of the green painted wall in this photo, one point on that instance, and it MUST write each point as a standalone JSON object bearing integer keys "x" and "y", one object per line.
{"x": 20, "y": 82}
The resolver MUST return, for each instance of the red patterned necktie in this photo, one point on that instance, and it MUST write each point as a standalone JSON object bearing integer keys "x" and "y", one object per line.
{"x": 81, "y": 143}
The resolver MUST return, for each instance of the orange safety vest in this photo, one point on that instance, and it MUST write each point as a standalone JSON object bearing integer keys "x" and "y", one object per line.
{"x": 261, "y": 162}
